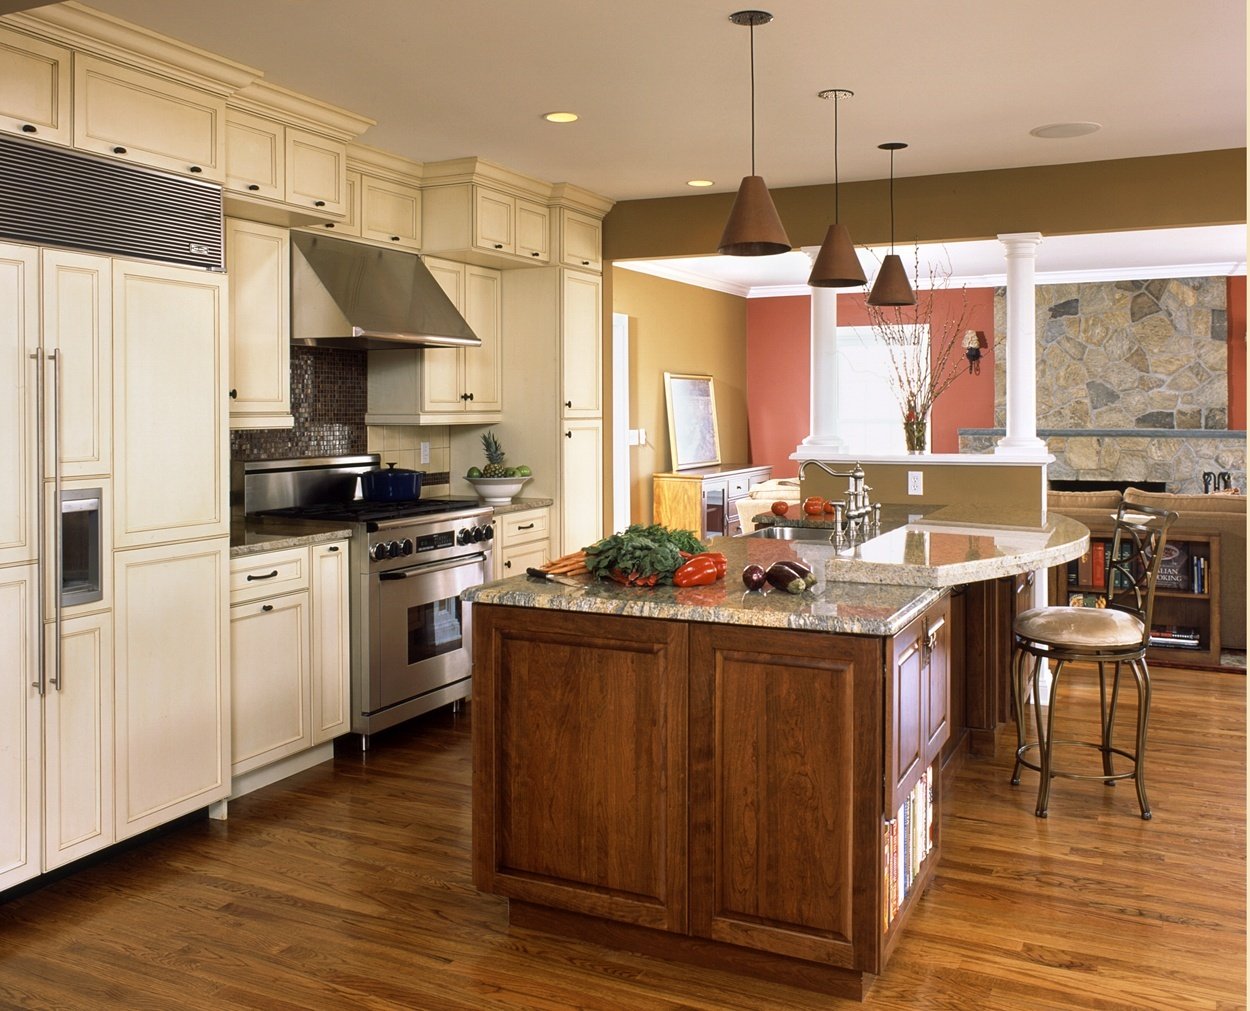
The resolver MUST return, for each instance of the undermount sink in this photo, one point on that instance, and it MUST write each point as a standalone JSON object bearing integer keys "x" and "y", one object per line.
{"x": 776, "y": 533}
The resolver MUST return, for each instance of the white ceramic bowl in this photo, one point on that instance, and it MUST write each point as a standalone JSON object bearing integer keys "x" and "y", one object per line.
{"x": 496, "y": 490}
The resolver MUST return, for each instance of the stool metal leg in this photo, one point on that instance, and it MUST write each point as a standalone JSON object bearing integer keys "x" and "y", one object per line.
{"x": 1018, "y": 666}
{"x": 1142, "y": 674}
{"x": 1108, "y": 727}
{"x": 1045, "y": 736}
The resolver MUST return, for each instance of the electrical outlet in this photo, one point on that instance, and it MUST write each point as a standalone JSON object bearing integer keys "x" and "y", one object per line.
{"x": 915, "y": 482}
{"x": 425, "y": 452}
{"x": 642, "y": 436}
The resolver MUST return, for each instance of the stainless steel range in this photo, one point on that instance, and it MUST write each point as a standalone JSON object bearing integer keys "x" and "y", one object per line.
{"x": 409, "y": 563}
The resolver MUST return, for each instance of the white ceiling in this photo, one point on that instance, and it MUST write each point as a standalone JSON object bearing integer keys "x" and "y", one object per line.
{"x": 662, "y": 85}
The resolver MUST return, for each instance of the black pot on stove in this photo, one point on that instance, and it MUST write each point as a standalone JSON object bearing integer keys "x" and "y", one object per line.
{"x": 390, "y": 484}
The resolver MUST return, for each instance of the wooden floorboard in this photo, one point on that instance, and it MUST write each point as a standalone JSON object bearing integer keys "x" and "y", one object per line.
{"x": 348, "y": 886}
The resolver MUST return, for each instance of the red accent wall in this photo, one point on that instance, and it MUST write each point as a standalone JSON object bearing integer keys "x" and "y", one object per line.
{"x": 1237, "y": 352}
{"x": 779, "y": 372}
{"x": 779, "y": 369}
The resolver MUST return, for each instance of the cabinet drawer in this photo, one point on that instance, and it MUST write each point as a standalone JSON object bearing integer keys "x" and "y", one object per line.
{"x": 515, "y": 528}
{"x": 739, "y": 485}
{"x": 254, "y": 576}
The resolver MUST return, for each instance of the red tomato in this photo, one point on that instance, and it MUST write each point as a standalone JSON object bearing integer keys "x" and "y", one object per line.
{"x": 814, "y": 506}
{"x": 780, "y": 508}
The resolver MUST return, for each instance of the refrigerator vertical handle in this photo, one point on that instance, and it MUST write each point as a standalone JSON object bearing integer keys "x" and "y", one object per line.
{"x": 57, "y": 561}
{"x": 40, "y": 681}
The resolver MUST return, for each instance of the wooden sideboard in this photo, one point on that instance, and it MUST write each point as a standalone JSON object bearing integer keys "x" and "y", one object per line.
{"x": 704, "y": 499}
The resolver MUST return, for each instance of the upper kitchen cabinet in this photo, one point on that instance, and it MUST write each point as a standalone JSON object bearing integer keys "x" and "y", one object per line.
{"x": 384, "y": 200}
{"x": 258, "y": 259}
{"x": 170, "y": 445}
{"x": 580, "y": 239}
{"x": 35, "y": 98}
{"x": 286, "y": 156}
{"x": 442, "y": 386}
{"x": 581, "y": 347}
{"x": 482, "y": 213}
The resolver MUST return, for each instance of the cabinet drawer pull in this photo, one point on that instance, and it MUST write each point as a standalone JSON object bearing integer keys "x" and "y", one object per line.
{"x": 526, "y": 526}
{"x": 267, "y": 575}
{"x": 319, "y": 203}
{"x": 28, "y": 128}
{"x": 119, "y": 150}
{"x": 585, "y": 263}
{"x": 195, "y": 169}
{"x": 394, "y": 238}
{"x": 333, "y": 547}
{"x": 536, "y": 253}
{"x": 329, "y": 224}
{"x": 499, "y": 245}
{"x": 253, "y": 187}
{"x": 266, "y": 607}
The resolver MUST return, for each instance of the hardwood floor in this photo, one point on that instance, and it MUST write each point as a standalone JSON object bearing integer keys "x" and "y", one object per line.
{"x": 348, "y": 886}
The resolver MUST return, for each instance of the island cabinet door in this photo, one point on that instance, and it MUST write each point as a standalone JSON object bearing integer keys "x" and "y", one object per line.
{"x": 579, "y": 782}
{"x": 917, "y": 702}
{"x": 785, "y": 788}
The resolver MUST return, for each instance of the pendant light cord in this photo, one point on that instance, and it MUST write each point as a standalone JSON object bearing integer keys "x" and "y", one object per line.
{"x": 836, "y": 200}
{"x": 752, "y": 98}
{"x": 891, "y": 201}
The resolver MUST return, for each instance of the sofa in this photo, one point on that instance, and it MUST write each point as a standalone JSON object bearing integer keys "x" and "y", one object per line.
{"x": 1223, "y": 514}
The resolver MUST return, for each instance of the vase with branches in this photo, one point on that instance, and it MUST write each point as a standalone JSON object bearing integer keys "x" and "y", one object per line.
{"x": 920, "y": 372}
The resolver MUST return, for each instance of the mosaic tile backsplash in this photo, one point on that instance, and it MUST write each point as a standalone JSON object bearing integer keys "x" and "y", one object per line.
{"x": 329, "y": 392}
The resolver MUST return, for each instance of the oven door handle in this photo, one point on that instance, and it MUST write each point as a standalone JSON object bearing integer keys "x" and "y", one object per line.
{"x": 423, "y": 570}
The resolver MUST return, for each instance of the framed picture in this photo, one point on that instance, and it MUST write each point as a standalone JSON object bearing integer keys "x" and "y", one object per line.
{"x": 692, "y": 435}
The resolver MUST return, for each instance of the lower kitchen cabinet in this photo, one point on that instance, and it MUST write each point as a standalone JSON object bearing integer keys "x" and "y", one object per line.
{"x": 522, "y": 540}
{"x": 917, "y": 701}
{"x": 581, "y": 483}
{"x": 289, "y": 653}
{"x": 56, "y": 748}
{"x": 172, "y": 691}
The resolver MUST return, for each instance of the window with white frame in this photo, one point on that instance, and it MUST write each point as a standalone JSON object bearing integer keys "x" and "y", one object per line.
{"x": 869, "y": 417}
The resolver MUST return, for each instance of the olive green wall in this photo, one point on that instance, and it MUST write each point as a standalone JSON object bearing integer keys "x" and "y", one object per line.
{"x": 679, "y": 328}
{"x": 1203, "y": 188}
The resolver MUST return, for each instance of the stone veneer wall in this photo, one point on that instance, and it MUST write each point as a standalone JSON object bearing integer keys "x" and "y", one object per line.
{"x": 1132, "y": 382}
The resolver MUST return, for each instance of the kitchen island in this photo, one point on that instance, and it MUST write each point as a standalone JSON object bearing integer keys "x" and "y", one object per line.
{"x": 733, "y": 778}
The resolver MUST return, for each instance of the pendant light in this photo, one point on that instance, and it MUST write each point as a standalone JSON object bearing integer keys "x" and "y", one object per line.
{"x": 891, "y": 286}
{"x": 837, "y": 264}
{"x": 753, "y": 228}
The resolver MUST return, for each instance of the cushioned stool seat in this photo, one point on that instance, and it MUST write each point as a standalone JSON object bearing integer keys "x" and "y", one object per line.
{"x": 1115, "y": 635}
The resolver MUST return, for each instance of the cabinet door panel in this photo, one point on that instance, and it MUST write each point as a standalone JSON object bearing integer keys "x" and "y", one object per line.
{"x": 258, "y": 258}
{"x": 78, "y": 322}
{"x": 172, "y": 692}
{"x": 783, "y": 766}
{"x": 442, "y": 380}
{"x": 494, "y": 215}
{"x": 36, "y": 92}
{"x": 331, "y": 643}
{"x": 390, "y": 212}
{"x": 78, "y": 743}
{"x": 255, "y": 155}
{"x": 269, "y": 680}
{"x": 533, "y": 231}
{"x": 19, "y": 339}
{"x": 581, "y": 359}
{"x": 905, "y": 707}
{"x": 20, "y": 781}
{"x": 591, "y": 730}
{"x": 482, "y": 376}
{"x": 581, "y": 237}
{"x": 581, "y": 484}
{"x": 169, "y": 425}
{"x": 937, "y": 679}
{"x": 316, "y": 172}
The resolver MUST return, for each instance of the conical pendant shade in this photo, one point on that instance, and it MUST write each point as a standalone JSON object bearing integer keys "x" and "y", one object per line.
{"x": 753, "y": 228}
{"x": 891, "y": 286}
{"x": 837, "y": 265}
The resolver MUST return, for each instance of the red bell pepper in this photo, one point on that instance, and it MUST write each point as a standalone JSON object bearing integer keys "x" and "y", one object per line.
{"x": 701, "y": 570}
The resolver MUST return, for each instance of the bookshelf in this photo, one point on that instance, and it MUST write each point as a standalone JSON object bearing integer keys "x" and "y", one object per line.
{"x": 1186, "y": 624}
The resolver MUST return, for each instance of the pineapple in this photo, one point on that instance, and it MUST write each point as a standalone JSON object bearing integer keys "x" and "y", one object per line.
{"x": 494, "y": 456}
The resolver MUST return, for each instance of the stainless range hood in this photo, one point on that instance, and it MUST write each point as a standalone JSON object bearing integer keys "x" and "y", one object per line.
{"x": 368, "y": 298}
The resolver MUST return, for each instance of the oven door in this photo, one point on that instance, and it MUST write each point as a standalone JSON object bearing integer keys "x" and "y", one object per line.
{"x": 421, "y": 636}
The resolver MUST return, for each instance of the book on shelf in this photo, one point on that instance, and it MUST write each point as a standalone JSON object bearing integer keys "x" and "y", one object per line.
{"x": 1098, "y": 564}
{"x": 1175, "y": 637}
{"x": 1087, "y": 600}
{"x": 1084, "y": 570}
{"x": 1175, "y": 572}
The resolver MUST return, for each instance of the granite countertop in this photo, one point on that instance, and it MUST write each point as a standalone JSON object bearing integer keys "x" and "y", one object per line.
{"x": 518, "y": 504}
{"x": 253, "y": 538}
{"x": 942, "y": 546}
{"x": 853, "y": 608}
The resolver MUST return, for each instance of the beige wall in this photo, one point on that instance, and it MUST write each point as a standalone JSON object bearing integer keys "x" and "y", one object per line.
{"x": 679, "y": 328}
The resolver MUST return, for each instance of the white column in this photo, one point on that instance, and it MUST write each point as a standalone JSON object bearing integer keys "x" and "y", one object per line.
{"x": 824, "y": 438}
{"x": 1021, "y": 438}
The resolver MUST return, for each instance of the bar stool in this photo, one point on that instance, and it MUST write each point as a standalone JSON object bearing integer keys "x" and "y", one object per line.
{"x": 1116, "y": 634}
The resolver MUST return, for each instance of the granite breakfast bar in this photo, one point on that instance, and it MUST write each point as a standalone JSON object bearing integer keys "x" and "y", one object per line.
{"x": 740, "y": 779}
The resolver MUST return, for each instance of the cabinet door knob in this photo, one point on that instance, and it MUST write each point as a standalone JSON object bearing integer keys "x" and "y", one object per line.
{"x": 319, "y": 203}
{"x": 234, "y": 394}
{"x": 329, "y": 224}
{"x": 253, "y": 187}
{"x": 568, "y": 403}
{"x": 499, "y": 245}
{"x": 196, "y": 169}
{"x": 394, "y": 238}
{"x": 333, "y": 547}
{"x": 568, "y": 435}
{"x": 119, "y": 150}
{"x": 266, "y": 607}
{"x": 536, "y": 253}
{"x": 507, "y": 564}
{"x": 28, "y": 128}
{"x": 585, "y": 263}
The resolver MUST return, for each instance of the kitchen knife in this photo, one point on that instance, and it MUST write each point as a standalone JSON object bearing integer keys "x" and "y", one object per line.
{"x": 551, "y": 577}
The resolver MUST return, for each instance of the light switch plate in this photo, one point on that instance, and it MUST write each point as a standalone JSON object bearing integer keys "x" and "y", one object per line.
{"x": 915, "y": 482}
{"x": 425, "y": 452}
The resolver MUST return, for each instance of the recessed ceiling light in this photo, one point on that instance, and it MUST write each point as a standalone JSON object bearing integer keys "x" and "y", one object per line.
{"x": 700, "y": 182}
{"x": 560, "y": 117}
{"x": 1055, "y": 131}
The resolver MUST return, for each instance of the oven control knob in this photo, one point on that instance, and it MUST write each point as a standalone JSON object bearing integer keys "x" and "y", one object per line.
{"x": 477, "y": 534}
{"x": 393, "y": 549}
{"x": 379, "y": 553}
{"x": 464, "y": 535}
{"x": 406, "y": 547}
{"x": 488, "y": 533}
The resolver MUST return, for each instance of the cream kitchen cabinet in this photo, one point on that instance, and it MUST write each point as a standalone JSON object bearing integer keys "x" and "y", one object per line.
{"x": 19, "y": 339}
{"x": 172, "y": 681}
{"x": 290, "y": 657}
{"x": 455, "y": 386}
{"x": 497, "y": 227}
{"x": 580, "y": 238}
{"x": 170, "y": 448}
{"x": 35, "y": 97}
{"x": 265, "y": 159}
{"x": 128, "y": 113}
{"x": 581, "y": 344}
{"x": 522, "y": 540}
{"x": 390, "y": 212}
{"x": 21, "y": 772}
{"x": 581, "y": 484}
{"x": 258, "y": 259}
